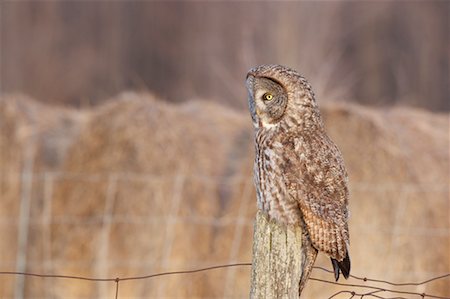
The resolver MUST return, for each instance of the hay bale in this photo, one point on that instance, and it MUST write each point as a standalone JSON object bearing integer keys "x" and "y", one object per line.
{"x": 176, "y": 174}
{"x": 149, "y": 186}
{"x": 398, "y": 165}
{"x": 33, "y": 139}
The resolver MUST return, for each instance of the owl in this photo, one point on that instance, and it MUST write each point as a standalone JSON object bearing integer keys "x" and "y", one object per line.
{"x": 299, "y": 172}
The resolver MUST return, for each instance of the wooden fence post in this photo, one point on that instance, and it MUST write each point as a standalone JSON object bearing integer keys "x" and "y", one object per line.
{"x": 277, "y": 260}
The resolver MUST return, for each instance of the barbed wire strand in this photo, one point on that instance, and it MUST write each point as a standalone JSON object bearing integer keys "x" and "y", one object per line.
{"x": 388, "y": 282}
{"x": 374, "y": 290}
{"x": 423, "y": 295}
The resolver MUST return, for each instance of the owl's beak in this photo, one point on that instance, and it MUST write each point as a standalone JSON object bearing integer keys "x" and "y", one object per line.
{"x": 250, "y": 87}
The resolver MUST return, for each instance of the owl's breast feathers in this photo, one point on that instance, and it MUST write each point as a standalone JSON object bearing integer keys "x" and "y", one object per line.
{"x": 301, "y": 178}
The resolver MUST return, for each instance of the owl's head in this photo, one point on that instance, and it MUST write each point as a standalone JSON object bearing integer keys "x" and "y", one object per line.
{"x": 276, "y": 94}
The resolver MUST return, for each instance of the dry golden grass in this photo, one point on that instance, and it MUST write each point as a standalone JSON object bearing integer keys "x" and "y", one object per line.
{"x": 148, "y": 186}
{"x": 33, "y": 139}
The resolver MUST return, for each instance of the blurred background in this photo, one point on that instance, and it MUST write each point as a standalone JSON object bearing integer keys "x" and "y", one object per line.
{"x": 126, "y": 146}
{"x": 82, "y": 52}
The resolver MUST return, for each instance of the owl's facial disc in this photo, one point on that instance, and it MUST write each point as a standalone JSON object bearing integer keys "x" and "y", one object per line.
{"x": 267, "y": 101}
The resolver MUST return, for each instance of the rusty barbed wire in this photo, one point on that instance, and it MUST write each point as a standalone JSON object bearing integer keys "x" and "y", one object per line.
{"x": 374, "y": 290}
{"x": 388, "y": 282}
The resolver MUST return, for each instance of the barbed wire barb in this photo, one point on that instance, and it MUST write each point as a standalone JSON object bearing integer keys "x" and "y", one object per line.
{"x": 117, "y": 288}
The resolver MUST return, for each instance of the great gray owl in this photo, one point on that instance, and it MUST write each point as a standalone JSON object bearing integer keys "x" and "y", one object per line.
{"x": 299, "y": 172}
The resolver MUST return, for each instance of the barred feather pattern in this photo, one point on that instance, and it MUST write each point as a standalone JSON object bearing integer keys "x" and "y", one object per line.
{"x": 300, "y": 177}
{"x": 299, "y": 173}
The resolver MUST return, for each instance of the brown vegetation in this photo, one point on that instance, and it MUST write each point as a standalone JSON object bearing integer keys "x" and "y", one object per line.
{"x": 146, "y": 186}
{"x": 33, "y": 140}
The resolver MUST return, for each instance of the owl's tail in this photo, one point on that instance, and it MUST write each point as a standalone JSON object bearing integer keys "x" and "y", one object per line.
{"x": 342, "y": 266}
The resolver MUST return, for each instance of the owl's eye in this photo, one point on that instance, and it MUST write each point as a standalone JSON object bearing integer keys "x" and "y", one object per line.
{"x": 267, "y": 96}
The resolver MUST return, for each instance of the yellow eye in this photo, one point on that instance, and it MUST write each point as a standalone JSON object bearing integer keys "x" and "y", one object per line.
{"x": 268, "y": 96}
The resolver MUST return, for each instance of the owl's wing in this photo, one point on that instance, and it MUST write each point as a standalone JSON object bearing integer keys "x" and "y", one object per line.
{"x": 316, "y": 177}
